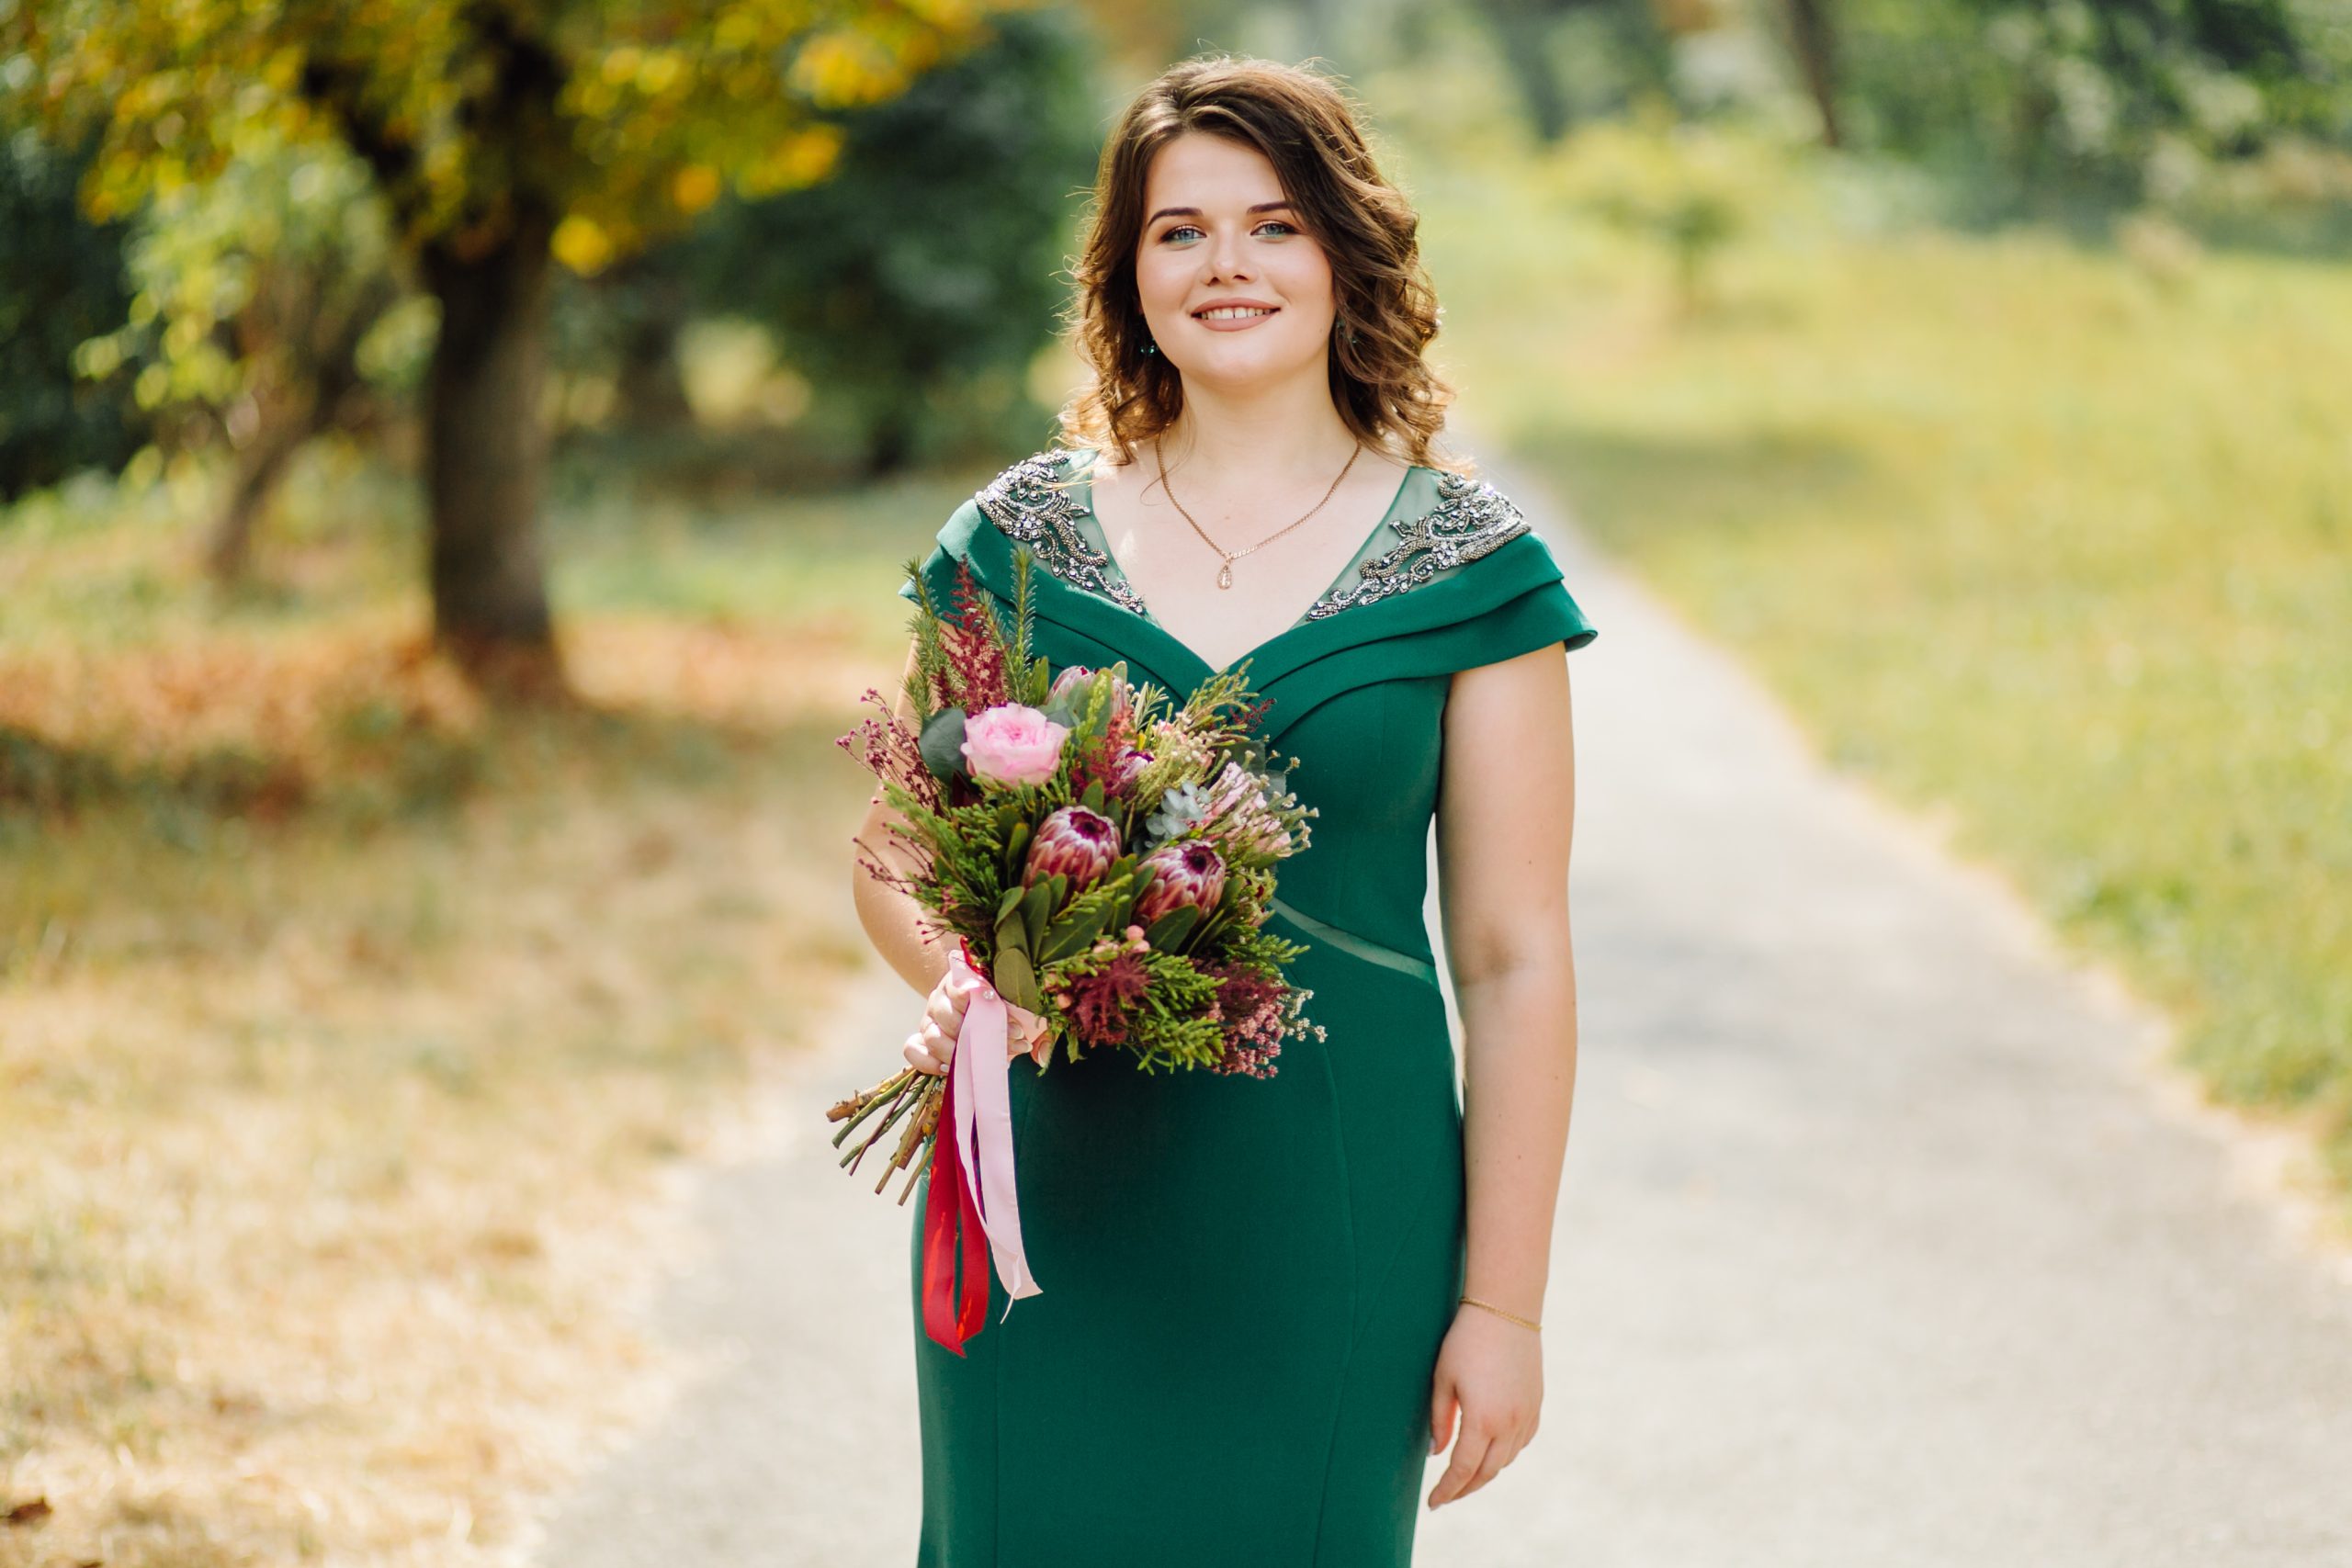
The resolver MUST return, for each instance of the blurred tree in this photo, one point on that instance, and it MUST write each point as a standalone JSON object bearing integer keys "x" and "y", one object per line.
{"x": 504, "y": 135}
{"x": 2046, "y": 102}
{"x": 1813, "y": 39}
{"x": 1627, "y": 46}
{"x": 1692, "y": 189}
{"x": 257, "y": 292}
{"x": 61, "y": 280}
{"x": 915, "y": 287}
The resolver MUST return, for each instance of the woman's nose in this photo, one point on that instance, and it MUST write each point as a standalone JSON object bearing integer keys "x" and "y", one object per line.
{"x": 1227, "y": 256}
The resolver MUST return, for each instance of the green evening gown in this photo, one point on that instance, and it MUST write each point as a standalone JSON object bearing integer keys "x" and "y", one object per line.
{"x": 1245, "y": 1280}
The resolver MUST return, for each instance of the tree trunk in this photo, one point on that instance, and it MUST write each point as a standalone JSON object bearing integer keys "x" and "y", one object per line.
{"x": 651, "y": 386}
{"x": 287, "y": 420}
{"x": 1522, "y": 30}
{"x": 310, "y": 380}
{"x": 1809, "y": 30}
{"x": 486, "y": 454}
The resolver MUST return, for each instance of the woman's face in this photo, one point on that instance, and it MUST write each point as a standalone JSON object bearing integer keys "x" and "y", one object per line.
{"x": 1216, "y": 227}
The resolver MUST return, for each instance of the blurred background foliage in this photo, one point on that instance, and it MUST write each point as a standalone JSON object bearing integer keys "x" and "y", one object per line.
{"x": 1973, "y": 368}
{"x": 237, "y": 272}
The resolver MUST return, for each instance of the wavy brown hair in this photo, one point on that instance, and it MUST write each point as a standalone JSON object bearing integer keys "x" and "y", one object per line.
{"x": 1306, "y": 125}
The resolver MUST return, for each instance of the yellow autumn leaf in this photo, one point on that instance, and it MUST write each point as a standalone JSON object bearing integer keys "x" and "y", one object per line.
{"x": 581, "y": 246}
{"x": 695, "y": 188}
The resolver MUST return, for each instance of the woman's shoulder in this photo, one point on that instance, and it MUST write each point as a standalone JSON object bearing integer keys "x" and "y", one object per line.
{"x": 1030, "y": 489}
{"x": 1027, "y": 502}
{"x": 1454, "y": 519}
{"x": 1479, "y": 548}
{"x": 1469, "y": 515}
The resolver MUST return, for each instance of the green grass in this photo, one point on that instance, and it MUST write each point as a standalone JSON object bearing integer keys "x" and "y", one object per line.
{"x": 2052, "y": 539}
{"x": 336, "y": 1003}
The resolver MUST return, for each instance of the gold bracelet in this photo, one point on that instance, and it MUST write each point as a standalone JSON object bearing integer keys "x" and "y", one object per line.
{"x": 1523, "y": 1322}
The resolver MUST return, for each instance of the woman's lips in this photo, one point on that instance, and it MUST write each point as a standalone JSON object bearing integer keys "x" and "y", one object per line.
{"x": 1235, "y": 324}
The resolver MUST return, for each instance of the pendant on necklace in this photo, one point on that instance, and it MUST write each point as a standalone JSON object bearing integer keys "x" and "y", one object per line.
{"x": 1224, "y": 575}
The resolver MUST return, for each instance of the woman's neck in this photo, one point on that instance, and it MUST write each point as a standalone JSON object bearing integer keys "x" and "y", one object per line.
{"x": 1261, "y": 446}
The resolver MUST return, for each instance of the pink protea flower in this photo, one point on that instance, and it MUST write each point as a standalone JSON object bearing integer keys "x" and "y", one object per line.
{"x": 1239, "y": 807}
{"x": 1121, "y": 775}
{"x": 1187, "y": 872}
{"x": 1013, "y": 743}
{"x": 1073, "y": 842}
{"x": 1077, "y": 674}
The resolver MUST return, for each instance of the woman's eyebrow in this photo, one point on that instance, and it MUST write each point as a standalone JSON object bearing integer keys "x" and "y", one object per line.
{"x": 1195, "y": 212}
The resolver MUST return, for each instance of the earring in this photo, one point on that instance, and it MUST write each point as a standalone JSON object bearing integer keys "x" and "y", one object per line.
{"x": 1149, "y": 347}
{"x": 1351, "y": 326}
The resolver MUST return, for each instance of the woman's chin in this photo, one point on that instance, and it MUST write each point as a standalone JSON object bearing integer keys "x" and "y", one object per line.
{"x": 1242, "y": 364}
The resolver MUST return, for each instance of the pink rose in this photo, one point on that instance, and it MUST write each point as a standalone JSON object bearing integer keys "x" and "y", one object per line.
{"x": 1013, "y": 743}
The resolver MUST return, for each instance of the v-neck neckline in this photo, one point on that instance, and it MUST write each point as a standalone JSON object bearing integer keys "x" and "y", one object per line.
{"x": 1081, "y": 494}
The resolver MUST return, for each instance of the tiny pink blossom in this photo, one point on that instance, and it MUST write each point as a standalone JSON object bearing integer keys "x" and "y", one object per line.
{"x": 1013, "y": 743}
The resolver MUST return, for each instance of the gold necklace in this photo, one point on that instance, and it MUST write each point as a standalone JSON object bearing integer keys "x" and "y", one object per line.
{"x": 1225, "y": 571}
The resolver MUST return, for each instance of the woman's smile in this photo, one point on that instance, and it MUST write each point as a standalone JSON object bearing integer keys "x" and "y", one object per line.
{"x": 1233, "y": 318}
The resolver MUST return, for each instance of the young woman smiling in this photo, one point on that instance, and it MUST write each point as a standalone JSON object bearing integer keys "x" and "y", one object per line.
{"x": 1272, "y": 1301}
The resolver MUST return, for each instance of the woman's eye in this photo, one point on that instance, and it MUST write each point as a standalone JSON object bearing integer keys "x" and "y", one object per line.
{"x": 1195, "y": 229}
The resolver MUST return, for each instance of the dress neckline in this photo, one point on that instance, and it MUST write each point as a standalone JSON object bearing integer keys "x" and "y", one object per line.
{"x": 1131, "y": 599}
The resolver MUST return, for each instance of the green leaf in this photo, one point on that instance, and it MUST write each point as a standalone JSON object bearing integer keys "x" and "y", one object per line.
{"x": 942, "y": 743}
{"x": 1011, "y": 932}
{"x": 1075, "y": 930}
{"x": 1035, "y": 908}
{"x": 1167, "y": 934}
{"x": 1016, "y": 980}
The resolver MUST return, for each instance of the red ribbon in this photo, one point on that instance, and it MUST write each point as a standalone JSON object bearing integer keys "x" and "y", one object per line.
{"x": 951, "y": 1214}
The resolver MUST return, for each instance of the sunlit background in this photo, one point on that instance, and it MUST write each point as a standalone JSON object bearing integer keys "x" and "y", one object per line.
{"x": 454, "y": 457}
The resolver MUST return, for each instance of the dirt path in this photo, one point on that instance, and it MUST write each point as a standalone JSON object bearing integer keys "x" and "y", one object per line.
{"x": 1879, "y": 1244}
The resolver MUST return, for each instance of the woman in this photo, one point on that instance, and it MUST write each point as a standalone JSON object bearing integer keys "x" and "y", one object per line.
{"x": 1267, "y": 1302}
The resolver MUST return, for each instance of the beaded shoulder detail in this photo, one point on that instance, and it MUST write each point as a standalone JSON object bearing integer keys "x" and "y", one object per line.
{"x": 1032, "y": 504}
{"x": 1471, "y": 518}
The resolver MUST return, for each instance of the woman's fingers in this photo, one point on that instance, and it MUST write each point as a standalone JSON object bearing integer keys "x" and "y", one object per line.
{"x": 933, "y": 1045}
{"x": 1469, "y": 1454}
{"x": 930, "y": 1048}
{"x": 948, "y": 1000}
{"x": 1499, "y": 1453}
{"x": 1444, "y": 1408}
{"x": 917, "y": 1057}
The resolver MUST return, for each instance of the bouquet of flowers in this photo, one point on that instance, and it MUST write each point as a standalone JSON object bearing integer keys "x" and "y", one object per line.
{"x": 1102, "y": 859}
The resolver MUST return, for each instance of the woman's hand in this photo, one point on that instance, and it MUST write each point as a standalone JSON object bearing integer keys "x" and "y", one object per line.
{"x": 1490, "y": 1375}
{"x": 931, "y": 1047}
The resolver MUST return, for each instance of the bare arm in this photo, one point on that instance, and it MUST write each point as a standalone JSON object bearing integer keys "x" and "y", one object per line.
{"x": 1505, "y": 816}
{"x": 1506, "y": 810}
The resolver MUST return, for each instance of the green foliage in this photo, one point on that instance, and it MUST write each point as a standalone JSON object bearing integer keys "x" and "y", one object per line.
{"x": 622, "y": 119}
{"x": 247, "y": 284}
{"x": 2039, "y": 102}
{"x": 914, "y": 287}
{"x": 1691, "y": 189}
{"x": 2046, "y": 545}
{"x": 60, "y": 281}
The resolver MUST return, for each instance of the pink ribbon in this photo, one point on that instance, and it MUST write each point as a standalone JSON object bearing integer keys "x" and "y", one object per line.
{"x": 983, "y": 1110}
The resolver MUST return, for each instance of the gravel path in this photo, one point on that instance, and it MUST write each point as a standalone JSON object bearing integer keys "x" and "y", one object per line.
{"x": 1881, "y": 1242}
